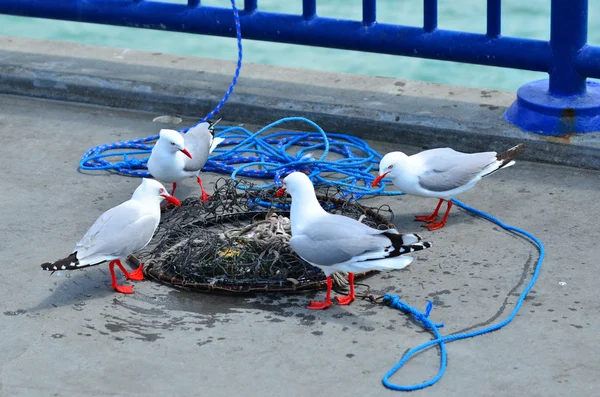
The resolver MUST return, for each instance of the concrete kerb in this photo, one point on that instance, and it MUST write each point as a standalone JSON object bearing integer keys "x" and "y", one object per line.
{"x": 409, "y": 112}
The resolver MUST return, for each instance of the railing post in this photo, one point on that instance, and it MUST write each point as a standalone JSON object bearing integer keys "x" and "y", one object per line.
{"x": 369, "y": 12}
{"x": 309, "y": 9}
{"x": 494, "y": 12}
{"x": 565, "y": 104}
{"x": 568, "y": 35}
{"x": 430, "y": 15}
{"x": 250, "y": 6}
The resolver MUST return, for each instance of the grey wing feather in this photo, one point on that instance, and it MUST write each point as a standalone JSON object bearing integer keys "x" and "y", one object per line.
{"x": 197, "y": 141}
{"x": 336, "y": 239}
{"x": 119, "y": 232}
{"x": 448, "y": 169}
{"x": 340, "y": 226}
{"x": 333, "y": 251}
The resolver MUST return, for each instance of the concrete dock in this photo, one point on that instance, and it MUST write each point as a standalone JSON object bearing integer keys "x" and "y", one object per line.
{"x": 72, "y": 335}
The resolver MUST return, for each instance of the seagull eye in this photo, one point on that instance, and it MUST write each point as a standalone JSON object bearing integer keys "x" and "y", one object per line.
{"x": 161, "y": 190}
{"x": 172, "y": 143}
{"x": 391, "y": 166}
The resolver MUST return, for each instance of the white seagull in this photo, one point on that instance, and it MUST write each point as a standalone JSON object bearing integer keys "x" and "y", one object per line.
{"x": 168, "y": 162}
{"x": 338, "y": 243}
{"x": 119, "y": 232}
{"x": 441, "y": 173}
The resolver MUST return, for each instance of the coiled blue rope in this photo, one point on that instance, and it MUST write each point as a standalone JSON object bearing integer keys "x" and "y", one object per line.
{"x": 265, "y": 157}
{"x": 94, "y": 159}
{"x": 395, "y": 302}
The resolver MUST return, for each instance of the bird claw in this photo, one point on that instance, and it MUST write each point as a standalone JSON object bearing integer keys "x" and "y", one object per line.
{"x": 434, "y": 225}
{"x": 315, "y": 305}
{"x": 137, "y": 274}
{"x": 124, "y": 289}
{"x": 426, "y": 218}
{"x": 204, "y": 198}
{"x": 345, "y": 300}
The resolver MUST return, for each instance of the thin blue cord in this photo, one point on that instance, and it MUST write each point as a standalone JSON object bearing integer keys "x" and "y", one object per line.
{"x": 395, "y": 302}
{"x": 256, "y": 156}
{"x": 93, "y": 160}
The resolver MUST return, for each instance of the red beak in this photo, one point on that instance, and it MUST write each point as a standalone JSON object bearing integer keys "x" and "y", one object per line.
{"x": 280, "y": 192}
{"x": 378, "y": 179}
{"x": 184, "y": 151}
{"x": 171, "y": 199}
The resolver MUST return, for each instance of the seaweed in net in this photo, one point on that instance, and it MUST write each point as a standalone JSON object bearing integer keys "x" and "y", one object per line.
{"x": 235, "y": 243}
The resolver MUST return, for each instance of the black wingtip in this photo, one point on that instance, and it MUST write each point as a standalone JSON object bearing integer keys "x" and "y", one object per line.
{"x": 69, "y": 263}
{"x": 510, "y": 154}
{"x": 211, "y": 126}
{"x": 401, "y": 248}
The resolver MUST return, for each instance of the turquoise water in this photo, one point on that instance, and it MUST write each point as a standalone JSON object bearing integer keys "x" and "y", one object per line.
{"x": 529, "y": 19}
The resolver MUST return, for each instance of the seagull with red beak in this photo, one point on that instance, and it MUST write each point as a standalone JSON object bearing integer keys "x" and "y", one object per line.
{"x": 441, "y": 173}
{"x": 337, "y": 243}
{"x": 177, "y": 156}
{"x": 119, "y": 232}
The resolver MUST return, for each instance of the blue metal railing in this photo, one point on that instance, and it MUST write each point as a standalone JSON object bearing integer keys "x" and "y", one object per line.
{"x": 565, "y": 103}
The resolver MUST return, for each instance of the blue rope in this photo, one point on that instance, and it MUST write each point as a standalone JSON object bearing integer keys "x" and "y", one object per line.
{"x": 267, "y": 157}
{"x": 395, "y": 302}
{"x": 263, "y": 157}
{"x": 93, "y": 159}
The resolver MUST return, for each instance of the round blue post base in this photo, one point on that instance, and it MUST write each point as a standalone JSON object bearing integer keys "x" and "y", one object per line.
{"x": 536, "y": 110}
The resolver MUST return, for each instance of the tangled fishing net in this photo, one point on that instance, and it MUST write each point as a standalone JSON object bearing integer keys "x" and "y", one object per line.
{"x": 239, "y": 241}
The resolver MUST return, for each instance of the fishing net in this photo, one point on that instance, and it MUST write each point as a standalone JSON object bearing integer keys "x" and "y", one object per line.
{"x": 238, "y": 241}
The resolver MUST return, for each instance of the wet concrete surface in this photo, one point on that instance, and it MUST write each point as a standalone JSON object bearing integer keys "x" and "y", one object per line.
{"x": 69, "y": 334}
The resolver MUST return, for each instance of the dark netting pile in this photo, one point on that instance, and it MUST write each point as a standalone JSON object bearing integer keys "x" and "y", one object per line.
{"x": 233, "y": 243}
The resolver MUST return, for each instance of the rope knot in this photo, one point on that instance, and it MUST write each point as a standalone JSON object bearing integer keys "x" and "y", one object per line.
{"x": 423, "y": 318}
{"x": 132, "y": 163}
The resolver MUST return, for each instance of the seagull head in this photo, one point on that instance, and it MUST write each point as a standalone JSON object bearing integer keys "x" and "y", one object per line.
{"x": 390, "y": 165}
{"x": 295, "y": 184}
{"x": 151, "y": 189}
{"x": 172, "y": 140}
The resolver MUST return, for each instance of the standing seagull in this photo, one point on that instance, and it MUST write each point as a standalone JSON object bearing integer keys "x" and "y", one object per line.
{"x": 168, "y": 162}
{"x": 337, "y": 243}
{"x": 441, "y": 173}
{"x": 119, "y": 232}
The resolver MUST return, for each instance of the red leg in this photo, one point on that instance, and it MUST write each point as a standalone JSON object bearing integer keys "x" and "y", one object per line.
{"x": 124, "y": 289}
{"x": 165, "y": 205}
{"x": 137, "y": 274}
{"x": 432, "y": 217}
{"x": 314, "y": 305}
{"x": 439, "y": 225}
{"x": 345, "y": 300}
{"x": 205, "y": 195}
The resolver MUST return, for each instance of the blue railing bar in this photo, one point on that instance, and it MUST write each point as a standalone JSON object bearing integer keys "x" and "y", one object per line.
{"x": 430, "y": 15}
{"x": 250, "y": 5}
{"x": 193, "y": 3}
{"x": 586, "y": 62}
{"x": 518, "y": 53}
{"x": 494, "y": 17}
{"x": 369, "y": 12}
{"x": 568, "y": 35}
{"x": 309, "y": 9}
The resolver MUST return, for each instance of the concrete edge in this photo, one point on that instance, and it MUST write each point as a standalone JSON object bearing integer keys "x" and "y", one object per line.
{"x": 417, "y": 113}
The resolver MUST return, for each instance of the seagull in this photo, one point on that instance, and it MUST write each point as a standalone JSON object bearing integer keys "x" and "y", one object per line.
{"x": 338, "y": 243}
{"x": 168, "y": 162}
{"x": 119, "y": 232}
{"x": 441, "y": 173}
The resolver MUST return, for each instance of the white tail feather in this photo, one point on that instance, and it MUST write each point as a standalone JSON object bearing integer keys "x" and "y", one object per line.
{"x": 215, "y": 143}
{"x": 398, "y": 262}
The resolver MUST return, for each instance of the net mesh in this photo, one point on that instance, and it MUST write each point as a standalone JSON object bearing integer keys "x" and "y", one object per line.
{"x": 236, "y": 243}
